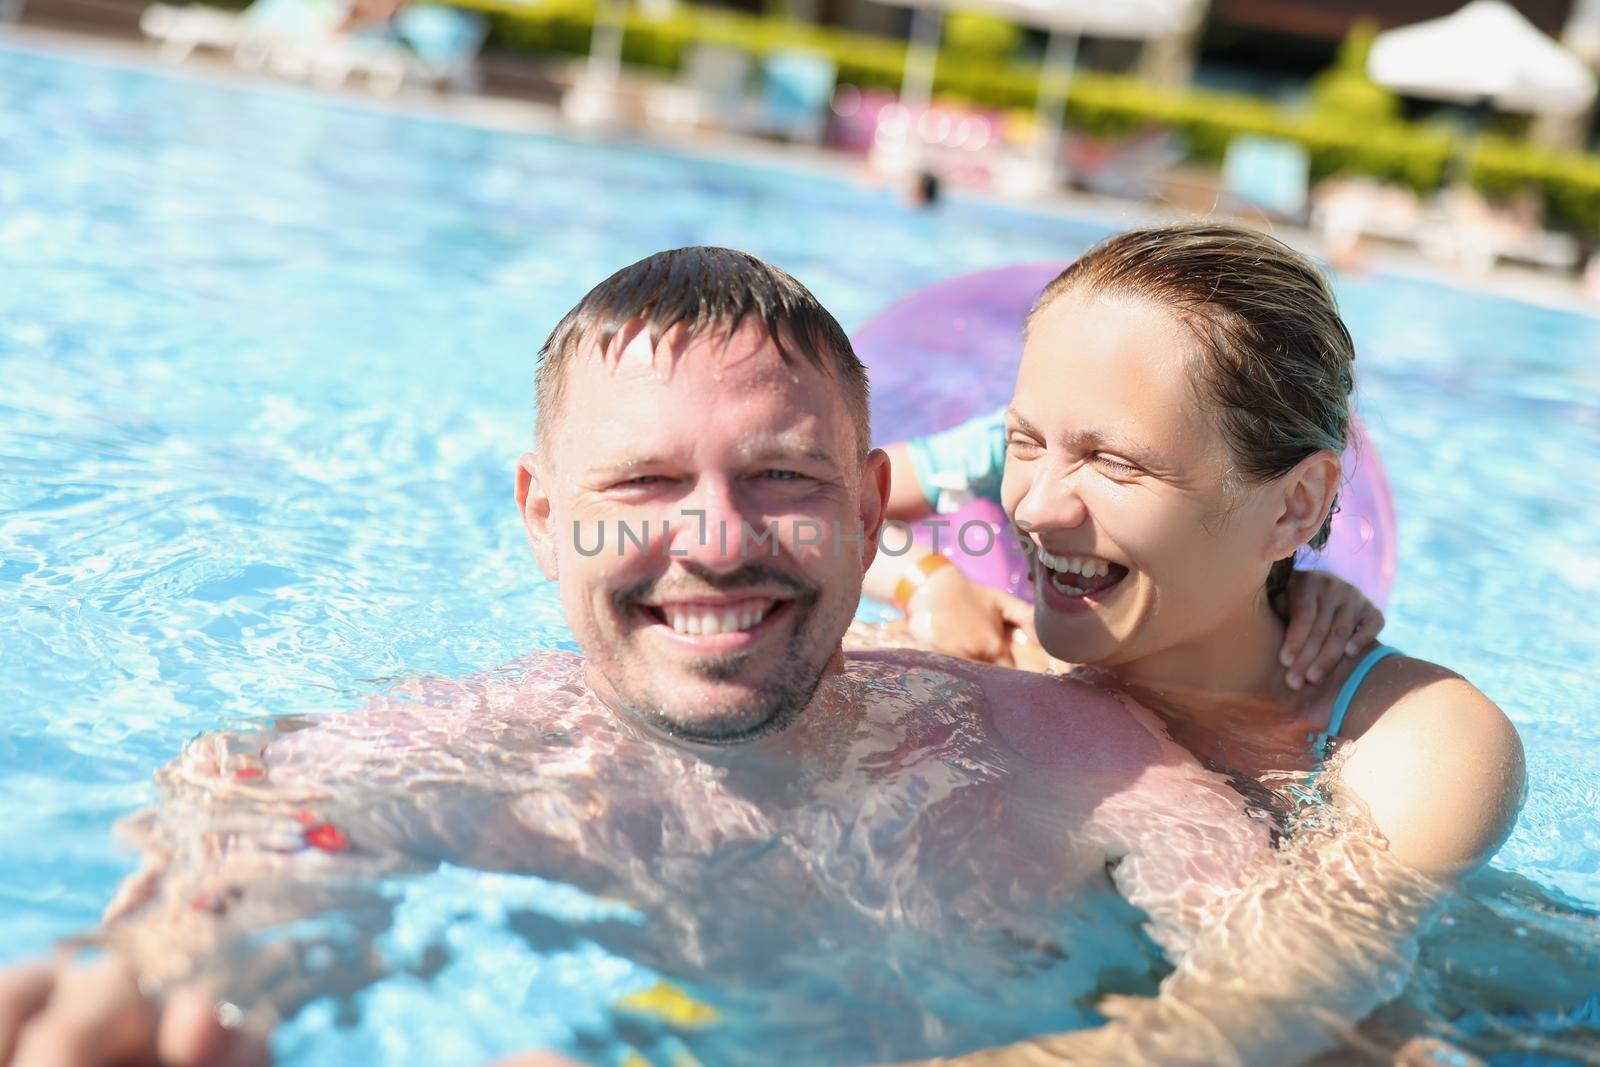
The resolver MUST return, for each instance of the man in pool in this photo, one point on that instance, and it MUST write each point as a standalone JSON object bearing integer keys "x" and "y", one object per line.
{"x": 866, "y": 856}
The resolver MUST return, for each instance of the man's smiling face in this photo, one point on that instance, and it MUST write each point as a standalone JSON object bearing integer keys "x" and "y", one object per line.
{"x": 677, "y": 461}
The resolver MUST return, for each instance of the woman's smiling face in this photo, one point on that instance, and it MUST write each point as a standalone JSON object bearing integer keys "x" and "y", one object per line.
{"x": 1120, "y": 477}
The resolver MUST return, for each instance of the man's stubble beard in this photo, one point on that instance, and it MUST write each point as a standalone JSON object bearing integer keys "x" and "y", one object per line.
{"x": 780, "y": 699}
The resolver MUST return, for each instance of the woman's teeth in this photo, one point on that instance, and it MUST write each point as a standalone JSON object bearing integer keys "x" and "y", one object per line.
{"x": 1064, "y": 587}
{"x": 701, "y": 619}
{"x": 1080, "y": 575}
{"x": 1086, "y": 566}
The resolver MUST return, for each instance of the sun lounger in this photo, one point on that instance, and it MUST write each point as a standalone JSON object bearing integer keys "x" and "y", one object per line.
{"x": 1268, "y": 175}
{"x": 444, "y": 43}
{"x": 304, "y": 40}
{"x": 1553, "y": 251}
{"x": 1124, "y": 166}
{"x": 711, "y": 90}
{"x": 252, "y": 35}
{"x": 1476, "y": 243}
{"x": 427, "y": 43}
{"x": 331, "y": 61}
{"x": 183, "y": 30}
{"x": 1456, "y": 227}
{"x": 796, "y": 88}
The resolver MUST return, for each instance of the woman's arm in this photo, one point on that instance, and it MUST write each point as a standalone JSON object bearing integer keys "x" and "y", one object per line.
{"x": 1300, "y": 956}
{"x": 1270, "y": 971}
{"x": 946, "y": 610}
{"x": 1440, "y": 767}
{"x": 1326, "y": 934}
{"x": 968, "y": 459}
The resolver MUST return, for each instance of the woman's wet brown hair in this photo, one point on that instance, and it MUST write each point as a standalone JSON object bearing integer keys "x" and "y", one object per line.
{"x": 1276, "y": 365}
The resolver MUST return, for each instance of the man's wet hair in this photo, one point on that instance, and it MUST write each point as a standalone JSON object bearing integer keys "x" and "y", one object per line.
{"x": 704, "y": 290}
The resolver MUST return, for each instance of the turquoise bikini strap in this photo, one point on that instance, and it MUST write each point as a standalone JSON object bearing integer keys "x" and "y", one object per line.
{"x": 1347, "y": 694}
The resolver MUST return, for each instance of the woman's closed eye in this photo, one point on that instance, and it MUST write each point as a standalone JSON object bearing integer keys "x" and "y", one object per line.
{"x": 1116, "y": 466}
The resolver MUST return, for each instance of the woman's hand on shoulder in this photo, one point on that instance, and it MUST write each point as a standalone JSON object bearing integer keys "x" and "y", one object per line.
{"x": 1440, "y": 770}
{"x": 1328, "y": 619}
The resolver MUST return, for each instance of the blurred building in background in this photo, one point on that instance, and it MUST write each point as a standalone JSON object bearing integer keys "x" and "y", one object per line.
{"x": 1268, "y": 108}
{"x": 1330, "y": 20}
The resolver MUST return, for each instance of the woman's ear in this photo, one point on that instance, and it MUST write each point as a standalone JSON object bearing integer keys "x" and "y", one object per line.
{"x": 533, "y": 503}
{"x": 1308, "y": 494}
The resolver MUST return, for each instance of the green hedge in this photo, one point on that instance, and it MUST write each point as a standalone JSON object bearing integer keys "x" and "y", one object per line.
{"x": 1339, "y": 139}
{"x": 1570, "y": 181}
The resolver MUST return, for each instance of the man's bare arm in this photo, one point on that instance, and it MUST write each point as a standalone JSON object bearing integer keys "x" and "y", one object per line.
{"x": 259, "y": 879}
{"x": 262, "y": 867}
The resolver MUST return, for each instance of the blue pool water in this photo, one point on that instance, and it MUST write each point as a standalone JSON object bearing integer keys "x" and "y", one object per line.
{"x": 265, "y": 364}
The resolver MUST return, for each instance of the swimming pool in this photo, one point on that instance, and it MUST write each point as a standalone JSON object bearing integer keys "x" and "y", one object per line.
{"x": 265, "y": 363}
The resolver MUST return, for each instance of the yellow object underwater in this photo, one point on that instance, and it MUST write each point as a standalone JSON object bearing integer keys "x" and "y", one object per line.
{"x": 670, "y": 1004}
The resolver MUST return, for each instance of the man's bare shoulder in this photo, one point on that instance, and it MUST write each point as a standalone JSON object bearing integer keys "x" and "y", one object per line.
{"x": 1050, "y": 719}
{"x": 413, "y": 727}
{"x": 529, "y": 684}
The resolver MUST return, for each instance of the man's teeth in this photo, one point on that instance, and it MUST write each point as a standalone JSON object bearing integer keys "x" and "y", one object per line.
{"x": 1080, "y": 565}
{"x": 699, "y": 619}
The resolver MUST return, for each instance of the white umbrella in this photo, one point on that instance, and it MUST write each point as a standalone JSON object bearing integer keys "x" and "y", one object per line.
{"x": 1065, "y": 20}
{"x": 1120, "y": 19}
{"x": 1068, "y": 21}
{"x": 1484, "y": 53}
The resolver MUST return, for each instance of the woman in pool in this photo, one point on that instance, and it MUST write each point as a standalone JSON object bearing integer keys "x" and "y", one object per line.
{"x": 1174, "y": 438}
